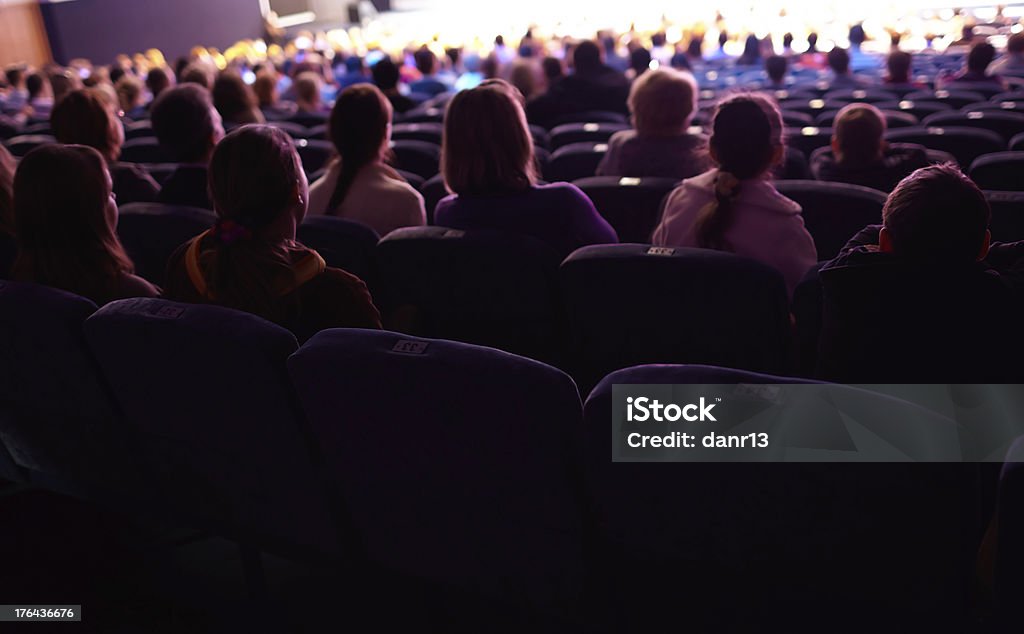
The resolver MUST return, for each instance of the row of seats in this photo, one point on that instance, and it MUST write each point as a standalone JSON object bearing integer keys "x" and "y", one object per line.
{"x": 449, "y": 462}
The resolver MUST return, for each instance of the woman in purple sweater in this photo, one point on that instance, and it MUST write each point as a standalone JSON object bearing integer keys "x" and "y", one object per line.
{"x": 488, "y": 165}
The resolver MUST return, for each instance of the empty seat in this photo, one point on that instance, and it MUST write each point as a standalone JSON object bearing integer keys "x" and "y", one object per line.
{"x": 1005, "y": 124}
{"x": 150, "y": 233}
{"x": 22, "y": 145}
{"x": 893, "y": 119}
{"x": 632, "y": 206}
{"x": 630, "y": 304}
{"x": 999, "y": 171}
{"x": 419, "y": 157}
{"x": 344, "y": 244}
{"x": 145, "y": 149}
{"x": 575, "y": 161}
{"x": 794, "y": 166}
{"x": 315, "y": 154}
{"x": 161, "y": 171}
{"x": 812, "y": 107}
{"x": 966, "y": 144}
{"x": 589, "y": 132}
{"x": 834, "y": 212}
{"x": 595, "y": 116}
{"x": 454, "y": 461}
{"x": 206, "y": 392}
{"x": 1007, "y": 215}
{"x": 433, "y": 190}
{"x": 56, "y": 417}
{"x": 422, "y": 115}
{"x": 919, "y": 109}
{"x": 995, "y": 106}
{"x": 429, "y": 132}
{"x": 479, "y": 287}
{"x": 953, "y": 98}
{"x": 541, "y": 138}
{"x": 794, "y": 119}
{"x": 808, "y": 139}
{"x": 863, "y": 95}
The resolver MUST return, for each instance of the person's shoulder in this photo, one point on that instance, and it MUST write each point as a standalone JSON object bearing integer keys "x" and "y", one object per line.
{"x": 620, "y": 138}
{"x": 134, "y": 286}
{"x": 562, "y": 191}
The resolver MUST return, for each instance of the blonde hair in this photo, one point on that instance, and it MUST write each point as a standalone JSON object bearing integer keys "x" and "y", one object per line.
{"x": 487, "y": 147}
{"x": 662, "y": 102}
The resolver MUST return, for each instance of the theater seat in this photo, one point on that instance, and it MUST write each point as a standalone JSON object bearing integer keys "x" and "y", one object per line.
{"x": 433, "y": 191}
{"x": 1007, "y": 215}
{"x": 575, "y": 161}
{"x": 808, "y": 139}
{"x": 893, "y": 119}
{"x": 145, "y": 149}
{"x": 344, "y": 244}
{"x": 150, "y": 233}
{"x": 56, "y": 417}
{"x": 794, "y": 119}
{"x": 427, "y": 132}
{"x": 966, "y": 144}
{"x": 456, "y": 463}
{"x": 955, "y": 99}
{"x": 632, "y": 206}
{"x": 19, "y": 146}
{"x": 919, "y": 109}
{"x": 1009, "y": 547}
{"x": 632, "y": 303}
{"x": 294, "y": 130}
{"x": 480, "y": 287}
{"x": 999, "y": 171}
{"x": 590, "y": 132}
{"x": 1005, "y": 124}
{"x": 206, "y": 392}
{"x": 590, "y": 116}
{"x": 139, "y": 129}
{"x": 315, "y": 154}
{"x": 834, "y": 212}
{"x": 860, "y": 95}
{"x": 419, "y": 157}
{"x": 415, "y": 180}
{"x": 422, "y": 115}
{"x": 1017, "y": 143}
{"x": 161, "y": 171}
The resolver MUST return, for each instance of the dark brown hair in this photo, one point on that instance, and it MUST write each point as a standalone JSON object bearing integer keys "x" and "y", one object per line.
{"x": 358, "y": 128}
{"x": 86, "y": 117}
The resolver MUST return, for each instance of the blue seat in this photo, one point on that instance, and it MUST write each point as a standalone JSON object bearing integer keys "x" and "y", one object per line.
{"x": 999, "y": 171}
{"x": 454, "y": 461}
{"x": 56, "y": 416}
{"x": 344, "y": 244}
{"x": 144, "y": 149}
{"x": 480, "y": 287}
{"x": 955, "y": 99}
{"x": 631, "y": 303}
{"x": 315, "y": 154}
{"x": 588, "y": 132}
{"x": 966, "y": 144}
{"x": 205, "y": 390}
{"x": 919, "y": 109}
{"x": 419, "y": 157}
{"x": 21, "y": 145}
{"x": 1005, "y": 124}
{"x": 574, "y": 161}
{"x": 632, "y": 206}
{"x": 834, "y": 212}
{"x": 150, "y": 233}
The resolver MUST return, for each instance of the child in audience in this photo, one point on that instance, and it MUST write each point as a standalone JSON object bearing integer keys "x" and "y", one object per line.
{"x": 250, "y": 260}
{"x": 488, "y": 164}
{"x": 733, "y": 207}
{"x": 359, "y": 185}
{"x": 88, "y": 117}
{"x": 188, "y": 127}
{"x": 924, "y": 297}
{"x": 860, "y": 155}
{"x": 662, "y": 103}
{"x": 65, "y": 217}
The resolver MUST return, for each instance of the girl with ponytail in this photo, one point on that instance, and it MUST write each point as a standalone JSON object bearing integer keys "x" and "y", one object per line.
{"x": 359, "y": 185}
{"x": 250, "y": 259}
{"x": 734, "y": 207}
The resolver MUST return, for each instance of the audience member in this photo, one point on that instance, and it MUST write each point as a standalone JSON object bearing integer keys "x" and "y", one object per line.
{"x": 839, "y": 64}
{"x": 860, "y": 155}
{"x": 526, "y": 76}
{"x": 130, "y": 96}
{"x": 899, "y": 65}
{"x": 88, "y": 117}
{"x": 188, "y": 128}
{"x": 309, "y": 100}
{"x": 591, "y": 86}
{"x": 235, "y": 100}
{"x": 776, "y": 67}
{"x": 157, "y": 81}
{"x": 265, "y": 89}
{"x": 751, "y": 55}
{"x": 1013, "y": 61}
{"x": 662, "y": 103}
{"x": 62, "y": 83}
{"x": 40, "y": 99}
{"x": 355, "y": 72}
{"x": 430, "y": 83}
{"x": 488, "y": 164}
{"x": 976, "y": 67}
{"x": 198, "y": 73}
{"x": 386, "y": 75}
{"x": 359, "y": 185}
{"x": 733, "y": 207}
{"x": 250, "y": 259}
{"x": 65, "y": 217}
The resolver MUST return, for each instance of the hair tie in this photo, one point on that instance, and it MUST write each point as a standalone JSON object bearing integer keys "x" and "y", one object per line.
{"x": 228, "y": 232}
{"x": 726, "y": 185}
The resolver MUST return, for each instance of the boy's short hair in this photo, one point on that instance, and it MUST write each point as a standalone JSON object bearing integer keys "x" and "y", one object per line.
{"x": 183, "y": 122}
{"x": 859, "y": 130}
{"x": 838, "y": 60}
{"x": 937, "y": 214}
{"x": 662, "y": 102}
{"x": 776, "y": 66}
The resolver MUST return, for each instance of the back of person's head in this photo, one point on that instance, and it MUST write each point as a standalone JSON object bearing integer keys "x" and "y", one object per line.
{"x": 129, "y": 92}
{"x": 751, "y": 50}
{"x": 385, "y": 74}
{"x": 745, "y": 142}
{"x": 1015, "y": 44}
{"x": 487, "y": 147}
{"x": 858, "y": 134}
{"x": 116, "y": 73}
{"x": 980, "y": 56}
{"x": 640, "y": 60}
{"x": 787, "y": 41}
{"x": 35, "y": 84}
{"x": 65, "y": 222}
{"x": 776, "y": 67}
{"x": 525, "y": 76}
{"x": 723, "y": 39}
{"x": 265, "y": 88}
{"x": 7, "y": 167}
{"x": 15, "y": 76}
{"x": 553, "y": 69}
{"x": 895, "y": 38}
{"x": 307, "y": 88}
{"x": 359, "y": 128}
{"x": 157, "y": 81}
{"x": 857, "y": 35}
{"x": 63, "y": 82}
{"x": 812, "y": 42}
{"x": 586, "y": 58}
{"x": 234, "y": 99}
{"x": 199, "y": 73}
{"x": 260, "y": 195}
{"x": 693, "y": 49}
{"x": 186, "y": 123}
{"x": 354, "y": 64}
{"x": 87, "y": 117}
{"x": 936, "y": 215}
{"x": 839, "y": 61}
{"x": 899, "y": 64}
{"x": 425, "y": 60}
{"x": 662, "y": 102}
